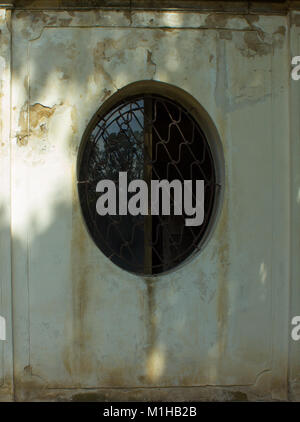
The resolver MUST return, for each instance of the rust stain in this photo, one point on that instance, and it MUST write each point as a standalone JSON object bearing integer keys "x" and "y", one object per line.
{"x": 171, "y": 30}
{"x": 159, "y": 33}
{"x": 22, "y": 140}
{"x": 66, "y": 357}
{"x": 25, "y": 83}
{"x": 222, "y": 233}
{"x": 76, "y": 356}
{"x": 28, "y": 385}
{"x": 28, "y": 370}
{"x": 114, "y": 377}
{"x": 222, "y": 300}
{"x": 100, "y": 56}
{"x": 74, "y": 119}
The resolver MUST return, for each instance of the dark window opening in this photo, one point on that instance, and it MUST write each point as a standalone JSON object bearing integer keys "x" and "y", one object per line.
{"x": 151, "y": 138}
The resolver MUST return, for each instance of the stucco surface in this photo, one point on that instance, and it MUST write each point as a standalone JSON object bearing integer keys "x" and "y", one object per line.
{"x": 219, "y": 325}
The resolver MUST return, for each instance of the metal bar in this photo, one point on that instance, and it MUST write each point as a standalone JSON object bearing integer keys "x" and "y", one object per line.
{"x": 147, "y": 178}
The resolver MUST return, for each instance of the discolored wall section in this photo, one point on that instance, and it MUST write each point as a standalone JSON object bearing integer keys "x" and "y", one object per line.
{"x": 6, "y": 370}
{"x": 294, "y": 369}
{"x": 219, "y": 326}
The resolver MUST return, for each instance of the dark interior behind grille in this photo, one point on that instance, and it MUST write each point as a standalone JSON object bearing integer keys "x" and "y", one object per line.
{"x": 150, "y": 137}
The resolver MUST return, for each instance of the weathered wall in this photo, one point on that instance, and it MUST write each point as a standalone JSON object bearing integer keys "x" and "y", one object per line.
{"x": 294, "y": 363}
{"x": 83, "y": 328}
{"x": 6, "y": 371}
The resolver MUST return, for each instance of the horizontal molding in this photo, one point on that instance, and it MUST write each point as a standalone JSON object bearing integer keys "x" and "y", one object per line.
{"x": 242, "y": 6}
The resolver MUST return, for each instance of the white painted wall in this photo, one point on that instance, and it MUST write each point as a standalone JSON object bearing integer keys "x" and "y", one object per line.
{"x": 221, "y": 323}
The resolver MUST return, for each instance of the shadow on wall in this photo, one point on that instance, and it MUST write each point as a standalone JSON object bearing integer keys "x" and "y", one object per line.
{"x": 72, "y": 333}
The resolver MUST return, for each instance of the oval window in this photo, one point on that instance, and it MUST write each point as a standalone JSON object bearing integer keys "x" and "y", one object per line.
{"x": 155, "y": 142}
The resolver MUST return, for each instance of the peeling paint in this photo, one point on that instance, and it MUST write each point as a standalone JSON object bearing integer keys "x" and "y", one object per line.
{"x": 216, "y": 20}
{"x": 254, "y": 45}
{"x": 39, "y": 114}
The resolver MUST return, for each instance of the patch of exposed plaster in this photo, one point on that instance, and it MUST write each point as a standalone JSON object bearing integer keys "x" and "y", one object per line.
{"x": 254, "y": 45}
{"x": 39, "y": 113}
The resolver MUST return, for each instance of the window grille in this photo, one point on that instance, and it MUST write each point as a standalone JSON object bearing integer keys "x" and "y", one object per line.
{"x": 149, "y": 137}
